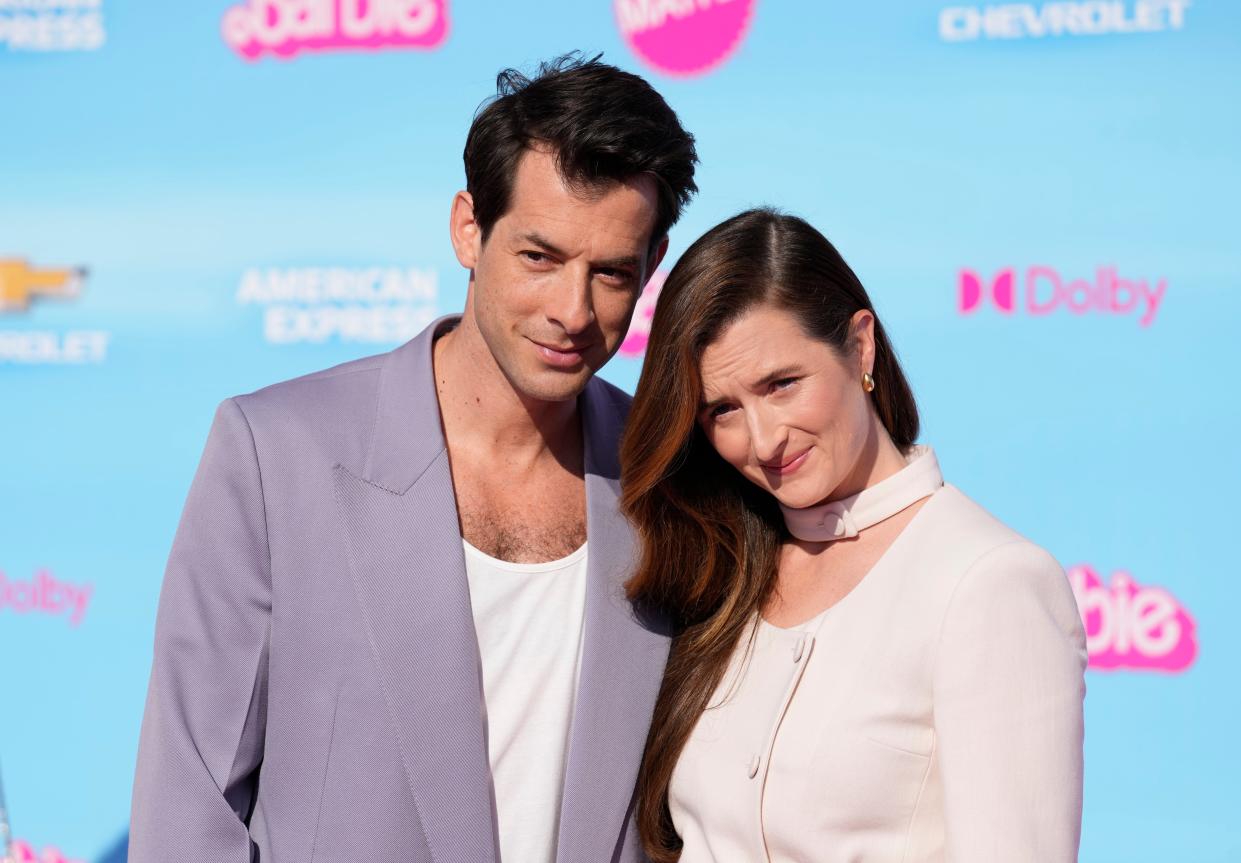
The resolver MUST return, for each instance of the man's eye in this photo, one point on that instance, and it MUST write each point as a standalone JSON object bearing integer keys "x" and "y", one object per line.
{"x": 783, "y": 383}
{"x": 616, "y": 275}
{"x": 535, "y": 257}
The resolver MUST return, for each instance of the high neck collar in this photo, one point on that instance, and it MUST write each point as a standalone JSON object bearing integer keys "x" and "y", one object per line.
{"x": 844, "y": 518}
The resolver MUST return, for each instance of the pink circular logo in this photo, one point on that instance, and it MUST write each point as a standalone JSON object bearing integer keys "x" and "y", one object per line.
{"x": 685, "y": 38}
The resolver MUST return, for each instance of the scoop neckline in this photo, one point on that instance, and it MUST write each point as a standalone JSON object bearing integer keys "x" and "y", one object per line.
{"x": 857, "y": 588}
{"x": 546, "y": 566}
{"x": 806, "y": 626}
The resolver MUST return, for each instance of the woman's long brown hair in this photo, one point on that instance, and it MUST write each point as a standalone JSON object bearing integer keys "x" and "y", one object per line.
{"x": 710, "y": 538}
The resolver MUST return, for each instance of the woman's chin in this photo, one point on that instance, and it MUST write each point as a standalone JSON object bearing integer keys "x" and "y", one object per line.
{"x": 791, "y": 492}
{"x": 795, "y": 498}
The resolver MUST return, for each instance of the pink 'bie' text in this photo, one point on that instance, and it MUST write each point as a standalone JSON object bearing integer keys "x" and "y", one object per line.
{"x": 1131, "y": 626}
{"x": 286, "y": 27}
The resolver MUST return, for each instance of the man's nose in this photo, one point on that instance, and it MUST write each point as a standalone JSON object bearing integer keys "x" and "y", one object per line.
{"x": 571, "y": 305}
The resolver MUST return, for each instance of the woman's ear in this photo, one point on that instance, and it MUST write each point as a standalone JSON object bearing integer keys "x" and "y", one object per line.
{"x": 862, "y": 330}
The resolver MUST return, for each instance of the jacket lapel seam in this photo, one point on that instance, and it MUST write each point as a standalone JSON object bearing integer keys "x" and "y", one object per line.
{"x": 393, "y": 491}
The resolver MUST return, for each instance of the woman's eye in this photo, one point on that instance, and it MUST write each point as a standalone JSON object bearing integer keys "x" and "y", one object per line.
{"x": 719, "y": 411}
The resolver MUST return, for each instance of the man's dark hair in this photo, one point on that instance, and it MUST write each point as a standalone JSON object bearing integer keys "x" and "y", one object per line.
{"x": 603, "y": 124}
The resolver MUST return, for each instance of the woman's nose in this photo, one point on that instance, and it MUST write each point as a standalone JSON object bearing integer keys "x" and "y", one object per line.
{"x": 768, "y": 435}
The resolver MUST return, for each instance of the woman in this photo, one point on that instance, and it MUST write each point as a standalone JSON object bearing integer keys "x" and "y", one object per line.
{"x": 868, "y": 667}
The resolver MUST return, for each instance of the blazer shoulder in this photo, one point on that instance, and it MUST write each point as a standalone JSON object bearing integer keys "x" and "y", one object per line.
{"x": 328, "y": 415}
{"x": 612, "y": 396}
{"x": 969, "y": 523}
{"x": 1007, "y": 590}
{"x": 970, "y": 542}
{"x": 334, "y": 394}
{"x": 314, "y": 384}
{"x": 963, "y": 533}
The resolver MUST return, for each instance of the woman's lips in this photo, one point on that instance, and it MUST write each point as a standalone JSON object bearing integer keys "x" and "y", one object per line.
{"x": 788, "y": 467}
{"x": 559, "y": 357}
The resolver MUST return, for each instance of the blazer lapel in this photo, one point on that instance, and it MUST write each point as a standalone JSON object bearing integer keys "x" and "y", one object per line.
{"x": 408, "y": 568}
{"x": 622, "y": 659}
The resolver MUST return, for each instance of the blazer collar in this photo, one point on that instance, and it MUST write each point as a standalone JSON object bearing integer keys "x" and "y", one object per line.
{"x": 407, "y": 435}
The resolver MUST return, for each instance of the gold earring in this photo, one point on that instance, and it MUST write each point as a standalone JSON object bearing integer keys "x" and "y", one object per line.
{"x": 868, "y": 383}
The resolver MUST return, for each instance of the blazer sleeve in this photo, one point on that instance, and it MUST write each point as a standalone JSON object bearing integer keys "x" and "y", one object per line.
{"x": 202, "y": 732}
{"x": 1008, "y": 699}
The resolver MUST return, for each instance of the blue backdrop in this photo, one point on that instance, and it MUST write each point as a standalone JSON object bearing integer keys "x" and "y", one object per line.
{"x": 1040, "y": 197}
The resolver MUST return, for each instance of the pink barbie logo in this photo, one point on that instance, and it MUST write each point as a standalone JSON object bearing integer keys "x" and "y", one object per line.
{"x": 684, "y": 37}
{"x": 23, "y": 852}
{"x": 1046, "y": 291}
{"x": 1131, "y": 626}
{"x": 286, "y": 27}
{"x": 43, "y": 594}
{"x": 639, "y": 333}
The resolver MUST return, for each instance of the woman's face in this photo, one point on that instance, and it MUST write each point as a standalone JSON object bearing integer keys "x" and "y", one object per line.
{"x": 788, "y": 410}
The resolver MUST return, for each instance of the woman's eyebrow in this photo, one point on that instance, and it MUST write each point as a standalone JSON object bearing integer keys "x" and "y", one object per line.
{"x": 766, "y": 380}
{"x": 775, "y": 375}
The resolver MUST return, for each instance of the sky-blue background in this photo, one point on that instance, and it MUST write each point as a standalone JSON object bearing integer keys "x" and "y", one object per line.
{"x": 168, "y": 166}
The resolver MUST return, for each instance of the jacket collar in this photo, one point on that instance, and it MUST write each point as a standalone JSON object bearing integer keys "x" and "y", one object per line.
{"x": 407, "y": 433}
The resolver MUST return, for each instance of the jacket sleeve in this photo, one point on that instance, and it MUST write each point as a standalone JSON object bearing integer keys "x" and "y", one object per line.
{"x": 202, "y": 733}
{"x": 1008, "y": 694}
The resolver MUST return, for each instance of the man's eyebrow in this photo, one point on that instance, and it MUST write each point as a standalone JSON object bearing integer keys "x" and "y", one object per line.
{"x": 618, "y": 263}
{"x": 625, "y": 262}
{"x": 535, "y": 240}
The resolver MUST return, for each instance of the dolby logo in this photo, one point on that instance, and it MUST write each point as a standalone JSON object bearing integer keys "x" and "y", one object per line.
{"x": 1040, "y": 290}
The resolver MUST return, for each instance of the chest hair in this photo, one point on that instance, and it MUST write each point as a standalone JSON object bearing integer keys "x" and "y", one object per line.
{"x": 529, "y": 521}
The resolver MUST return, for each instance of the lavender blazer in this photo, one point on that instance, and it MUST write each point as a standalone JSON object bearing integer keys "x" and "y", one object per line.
{"x": 316, "y": 691}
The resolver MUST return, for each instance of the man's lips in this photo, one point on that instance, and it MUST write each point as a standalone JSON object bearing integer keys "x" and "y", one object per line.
{"x": 561, "y": 357}
{"x": 784, "y": 468}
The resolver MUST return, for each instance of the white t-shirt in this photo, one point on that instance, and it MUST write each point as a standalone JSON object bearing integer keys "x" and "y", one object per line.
{"x": 529, "y": 618}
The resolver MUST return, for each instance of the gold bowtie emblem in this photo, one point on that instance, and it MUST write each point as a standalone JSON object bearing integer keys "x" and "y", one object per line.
{"x": 20, "y": 283}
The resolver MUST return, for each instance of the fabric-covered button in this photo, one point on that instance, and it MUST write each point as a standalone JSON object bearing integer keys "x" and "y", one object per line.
{"x": 799, "y": 650}
{"x": 754, "y": 762}
{"x": 837, "y": 523}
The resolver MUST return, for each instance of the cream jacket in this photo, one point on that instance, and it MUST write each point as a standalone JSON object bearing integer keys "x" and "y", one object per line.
{"x": 933, "y": 715}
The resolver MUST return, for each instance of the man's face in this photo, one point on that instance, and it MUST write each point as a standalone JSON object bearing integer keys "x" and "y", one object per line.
{"x": 556, "y": 282}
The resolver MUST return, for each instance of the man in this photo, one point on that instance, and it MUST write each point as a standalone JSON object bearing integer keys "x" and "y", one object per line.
{"x": 393, "y": 626}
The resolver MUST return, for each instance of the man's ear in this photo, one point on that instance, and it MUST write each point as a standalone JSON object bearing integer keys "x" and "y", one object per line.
{"x": 654, "y": 259}
{"x": 465, "y": 233}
